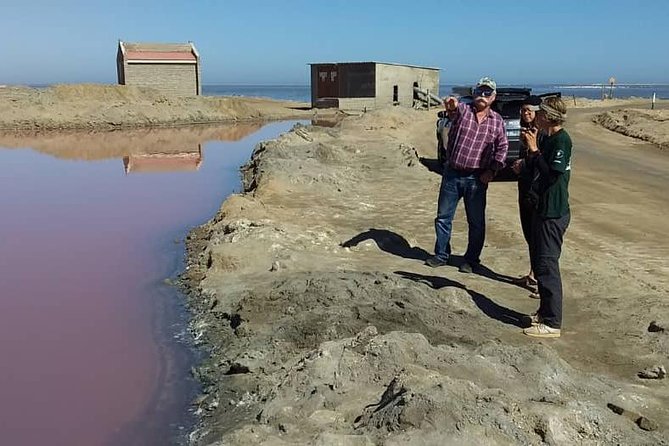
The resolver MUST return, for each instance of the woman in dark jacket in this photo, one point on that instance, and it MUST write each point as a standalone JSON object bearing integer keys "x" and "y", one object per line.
{"x": 525, "y": 177}
{"x": 551, "y": 159}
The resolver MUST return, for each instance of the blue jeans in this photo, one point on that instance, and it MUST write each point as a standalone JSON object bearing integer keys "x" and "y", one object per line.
{"x": 456, "y": 185}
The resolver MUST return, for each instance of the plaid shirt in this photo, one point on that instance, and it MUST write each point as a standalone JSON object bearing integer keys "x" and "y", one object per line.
{"x": 476, "y": 146}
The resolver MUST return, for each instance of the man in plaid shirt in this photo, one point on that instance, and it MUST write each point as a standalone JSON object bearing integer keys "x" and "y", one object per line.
{"x": 475, "y": 152}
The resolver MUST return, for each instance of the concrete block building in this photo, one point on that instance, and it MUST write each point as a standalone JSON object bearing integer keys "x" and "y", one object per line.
{"x": 171, "y": 68}
{"x": 369, "y": 85}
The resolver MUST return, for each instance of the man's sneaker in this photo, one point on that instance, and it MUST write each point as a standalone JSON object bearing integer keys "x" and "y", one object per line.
{"x": 542, "y": 331}
{"x": 435, "y": 262}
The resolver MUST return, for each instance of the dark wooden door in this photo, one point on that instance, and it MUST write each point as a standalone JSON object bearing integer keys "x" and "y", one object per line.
{"x": 328, "y": 81}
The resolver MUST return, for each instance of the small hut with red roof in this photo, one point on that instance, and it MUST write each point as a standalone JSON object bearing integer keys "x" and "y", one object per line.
{"x": 172, "y": 68}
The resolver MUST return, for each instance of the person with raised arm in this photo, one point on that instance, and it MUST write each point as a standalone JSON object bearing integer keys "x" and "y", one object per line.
{"x": 476, "y": 150}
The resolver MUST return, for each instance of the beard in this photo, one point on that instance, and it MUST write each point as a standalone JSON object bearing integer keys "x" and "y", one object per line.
{"x": 481, "y": 103}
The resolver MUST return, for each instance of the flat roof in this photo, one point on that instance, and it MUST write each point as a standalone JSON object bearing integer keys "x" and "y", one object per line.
{"x": 378, "y": 63}
{"x": 160, "y": 55}
{"x": 158, "y": 52}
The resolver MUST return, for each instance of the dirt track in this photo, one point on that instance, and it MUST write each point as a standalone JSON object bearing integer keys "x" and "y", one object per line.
{"x": 326, "y": 327}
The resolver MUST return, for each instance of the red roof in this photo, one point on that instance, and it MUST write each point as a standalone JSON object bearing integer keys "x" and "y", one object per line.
{"x": 160, "y": 55}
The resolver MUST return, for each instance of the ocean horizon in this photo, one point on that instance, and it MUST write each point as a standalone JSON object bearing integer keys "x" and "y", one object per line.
{"x": 302, "y": 93}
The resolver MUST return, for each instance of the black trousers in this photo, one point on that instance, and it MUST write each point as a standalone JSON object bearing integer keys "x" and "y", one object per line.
{"x": 526, "y": 212}
{"x": 547, "y": 236}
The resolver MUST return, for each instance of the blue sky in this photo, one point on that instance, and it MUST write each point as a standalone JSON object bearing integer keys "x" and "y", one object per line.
{"x": 272, "y": 41}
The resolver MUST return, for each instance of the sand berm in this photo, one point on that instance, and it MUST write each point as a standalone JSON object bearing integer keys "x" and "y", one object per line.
{"x": 323, "y": 326}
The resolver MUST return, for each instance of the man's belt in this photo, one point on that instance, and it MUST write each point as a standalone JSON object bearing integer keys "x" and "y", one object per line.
{"x": 466, "y": 171}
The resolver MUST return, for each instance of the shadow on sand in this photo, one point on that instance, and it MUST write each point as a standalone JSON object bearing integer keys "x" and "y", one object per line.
{"x": 389, "y": 242}
{"x": 393, "y": 243}
{"x": 485, "y": 304}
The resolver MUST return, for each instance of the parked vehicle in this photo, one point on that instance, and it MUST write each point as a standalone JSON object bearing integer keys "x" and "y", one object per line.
{"x": 507, "y": 104}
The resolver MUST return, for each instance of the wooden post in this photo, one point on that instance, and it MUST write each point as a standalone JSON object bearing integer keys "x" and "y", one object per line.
{"x": 612, "y": 82}
{"x": 429, "y": 99}
{"x": 574, "y": 96}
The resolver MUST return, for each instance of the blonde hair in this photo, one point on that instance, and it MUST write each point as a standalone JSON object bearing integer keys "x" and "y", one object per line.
{"x": 555, "y": 108}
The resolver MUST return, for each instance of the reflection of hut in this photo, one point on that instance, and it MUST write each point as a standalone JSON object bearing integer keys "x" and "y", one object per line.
{"x": 368, "y": 85}
{"x": 145, "y": 150}
{"x": 163, "y": 162}
{"x": 170, "y": 68}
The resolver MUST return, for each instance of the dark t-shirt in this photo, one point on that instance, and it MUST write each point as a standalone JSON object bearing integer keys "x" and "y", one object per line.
{"x": 556, "y": 150}
{"x": 527, "y": 175}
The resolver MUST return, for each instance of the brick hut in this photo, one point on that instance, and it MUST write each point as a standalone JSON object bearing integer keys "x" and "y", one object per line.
{"x": 172, "y": 68}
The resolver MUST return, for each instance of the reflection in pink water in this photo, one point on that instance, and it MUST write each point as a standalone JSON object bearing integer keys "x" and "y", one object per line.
{"x": 84, "y": 248}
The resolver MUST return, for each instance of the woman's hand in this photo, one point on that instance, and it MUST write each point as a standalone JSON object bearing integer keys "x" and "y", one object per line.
{"x": 517, "y": 166}
{"x": 530, "y": 138}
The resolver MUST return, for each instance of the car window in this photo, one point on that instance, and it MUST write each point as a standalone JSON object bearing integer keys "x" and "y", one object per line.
{"x": 508, "y": 109}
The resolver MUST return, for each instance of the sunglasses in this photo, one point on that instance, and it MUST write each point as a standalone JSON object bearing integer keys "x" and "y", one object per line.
{"x": 484, "y": 92}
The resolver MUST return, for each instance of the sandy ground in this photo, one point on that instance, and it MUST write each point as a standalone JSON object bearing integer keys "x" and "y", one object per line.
{"x": 97, "y": 106}
{"x": 324, "y": 326}
{"x": 648, "y": 125}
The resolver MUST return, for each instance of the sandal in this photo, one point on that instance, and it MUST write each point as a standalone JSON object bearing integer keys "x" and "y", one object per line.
{"x": 522, "y": 280}
{"x": 527, "y": 282}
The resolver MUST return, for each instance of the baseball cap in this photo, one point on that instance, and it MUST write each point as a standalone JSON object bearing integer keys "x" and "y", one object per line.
{"x": 486, "y": 82}
{"x": 533, "y": 102}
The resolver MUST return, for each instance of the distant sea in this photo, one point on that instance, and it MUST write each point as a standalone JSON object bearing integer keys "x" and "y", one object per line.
{"x": 302, "y": 93}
